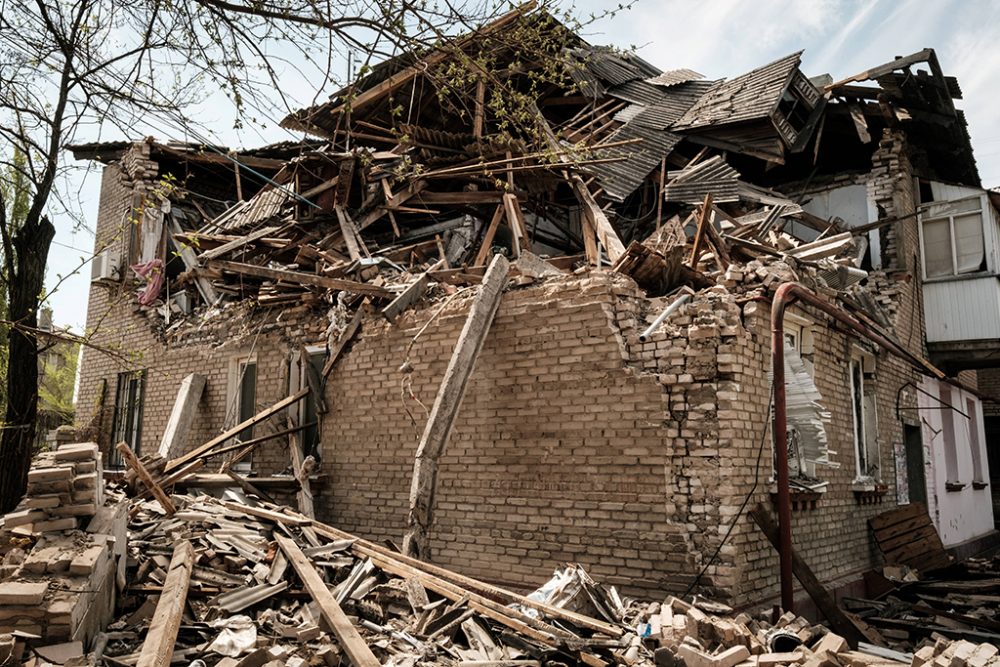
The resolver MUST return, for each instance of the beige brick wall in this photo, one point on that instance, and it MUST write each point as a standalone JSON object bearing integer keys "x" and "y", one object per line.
{"x": 574, "y": 442}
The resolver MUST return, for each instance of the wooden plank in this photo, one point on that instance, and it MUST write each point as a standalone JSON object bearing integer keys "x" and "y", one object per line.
{"x": 365, "y": 548}
{"x": 515, "y": 218}
{"x": 182, "y": 415}
{"x": 270, "y": 515}
{"x": 434, "y": 440}
{"x": 301, "y": 278}
{"x": 239, "y": 242}
{"x": 491, "y": 230}
{"x": 922, "y": 534}
{"x": 824, "y": 601}
{"x": 429, "y": 198}
{"x": 241, "y": 481}
{"x": 413, "y": 292}
{"x": 898, "y": 515}
{"x": 177, "y": 476}
{"x": 349, "y": 232}
{"x": 191, "y": 263}
{"x": 352, "y": 643}
{"x": 204, "y": 449}
{"x": 606, "y": 233}
{"x": 158, "y": 647}
{"x": 901, "y": 528}
{"x": 703, "y": 220}
{"x": 135, "y": 464}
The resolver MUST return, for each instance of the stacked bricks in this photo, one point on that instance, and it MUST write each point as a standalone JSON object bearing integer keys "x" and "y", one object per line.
{"x": 65, "y": 486}
{"x": 62, "y": 587}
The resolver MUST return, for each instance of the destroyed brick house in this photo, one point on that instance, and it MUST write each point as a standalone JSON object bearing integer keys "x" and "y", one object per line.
{"x": 294, "y": 309}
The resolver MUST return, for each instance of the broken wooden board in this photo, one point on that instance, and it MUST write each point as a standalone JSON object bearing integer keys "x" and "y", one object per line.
{"x": 135, "y": 464}
{"x": 182, "y": 415}
{"x": 446, "y": 404}
{"x": 300, "y": 278}
{"x": 204, "y": 449}
{"x": 158, "y": 648}
{"x": 352, "y": 642}
{"x": 906, "y": 536}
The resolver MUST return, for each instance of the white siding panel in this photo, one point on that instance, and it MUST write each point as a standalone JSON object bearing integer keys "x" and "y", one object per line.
{"x": 962, "y": 309}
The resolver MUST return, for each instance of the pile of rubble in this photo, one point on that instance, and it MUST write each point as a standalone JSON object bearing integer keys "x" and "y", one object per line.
{"x": 63, "y": 548}
{"x": 664, "y": 176}
{"x": 238, "y": 582}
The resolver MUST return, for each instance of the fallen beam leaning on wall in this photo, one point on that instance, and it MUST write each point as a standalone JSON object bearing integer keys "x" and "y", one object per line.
{"x": 446, "y": 404}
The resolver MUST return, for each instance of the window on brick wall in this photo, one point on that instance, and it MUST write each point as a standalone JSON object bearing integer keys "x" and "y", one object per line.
{"x": 126, "y": 422}
{"x": 951, "y": 237}
{"x": 807, "y": 439}
{"x": 308, "y": 414}
{"x": 864, "y": 414}
{"x": 243, "y": 399}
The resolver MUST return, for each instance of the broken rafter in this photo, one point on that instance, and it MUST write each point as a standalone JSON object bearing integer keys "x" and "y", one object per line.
{"x": 140, "y": 470}
{"x": 158, "y": 647}
{"x": 446, "y": 404}
{"x": 301, "y": 278}
{"x": 205, "y": 450}
{"x": 437, "y": 56}
{"x": 351, "y": 642}
{"x": 704, "y": 218}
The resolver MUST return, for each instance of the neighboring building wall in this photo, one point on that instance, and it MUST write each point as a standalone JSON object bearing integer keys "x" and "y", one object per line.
{"x": 959, "y": 494}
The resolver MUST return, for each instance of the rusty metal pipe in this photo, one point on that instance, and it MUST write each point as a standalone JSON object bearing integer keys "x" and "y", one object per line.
{"x": 786, "y": 295}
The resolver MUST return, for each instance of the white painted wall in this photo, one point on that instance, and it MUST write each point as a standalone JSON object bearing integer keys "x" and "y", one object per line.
{"x": 851, "y": 204}
{"x": 967, "y": 513}
{"x": 966, "y": 309}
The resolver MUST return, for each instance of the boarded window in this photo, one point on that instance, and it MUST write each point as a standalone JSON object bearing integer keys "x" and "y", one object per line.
{"x": 247, "y": 396}
{"x": 311, "y": 435}
{"x": 806, "y": 417}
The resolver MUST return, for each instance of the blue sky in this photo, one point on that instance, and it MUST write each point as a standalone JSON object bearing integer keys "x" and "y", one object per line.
{"x": 719, "y": 38}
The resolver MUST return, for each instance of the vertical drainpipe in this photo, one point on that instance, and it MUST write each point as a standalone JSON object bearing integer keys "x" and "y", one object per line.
{"x": 784, "y": 296}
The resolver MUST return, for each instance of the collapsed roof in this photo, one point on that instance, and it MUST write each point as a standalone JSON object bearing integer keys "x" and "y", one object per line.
{"x": 522, "y": 136}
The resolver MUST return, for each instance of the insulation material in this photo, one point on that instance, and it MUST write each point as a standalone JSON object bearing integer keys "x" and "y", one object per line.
{"x": 807, "y": 418}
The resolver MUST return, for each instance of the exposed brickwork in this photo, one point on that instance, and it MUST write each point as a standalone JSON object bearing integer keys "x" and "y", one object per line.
{"x": 575, "y": 441}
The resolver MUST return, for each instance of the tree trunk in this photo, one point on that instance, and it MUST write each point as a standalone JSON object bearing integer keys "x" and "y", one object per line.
{"x": 31, "y": 248}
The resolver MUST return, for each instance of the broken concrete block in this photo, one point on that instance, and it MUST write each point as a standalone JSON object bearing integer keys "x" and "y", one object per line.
{"x": 832, "y": 643}
{"x": 731, "y": 657}
{"x": 54, "y": 525}
{"x": 53, "y": 474}
{"x": 60, "y": 654}
{"x": 42, "y": 502}
{"x": 22, "y": 517}
{"x": 983, "y": 655}
{"x": 692, "y": 657}
{"x": 77, "y": 452}
{"x": 23, "y": 592}
{"x": 85, "y": 562}
{"x": 922, "y": 656}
